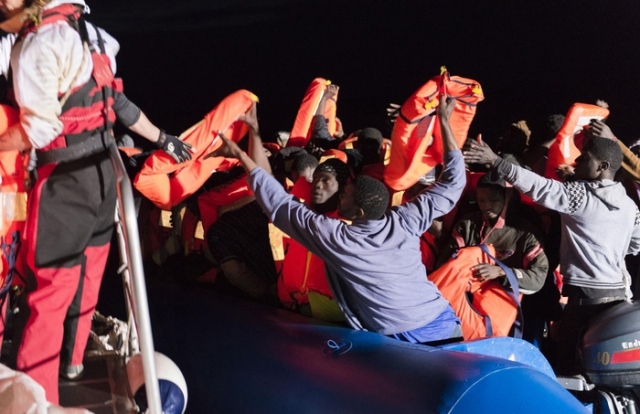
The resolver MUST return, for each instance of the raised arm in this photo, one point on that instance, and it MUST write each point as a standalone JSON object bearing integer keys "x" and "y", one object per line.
{"x": 320, "y": 133}
{"x": 135, "y": 120}
{"x": 563, "y": 197}
{"x": 329, "y": 94}
{"x": 441, "y": 197}
{"x": 256, "y": 150}
{"x": 445, "y": 109}
{"x": 257, "y": 156}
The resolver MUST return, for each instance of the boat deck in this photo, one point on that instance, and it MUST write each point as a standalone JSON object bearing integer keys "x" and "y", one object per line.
{"x": 101, "y": 390}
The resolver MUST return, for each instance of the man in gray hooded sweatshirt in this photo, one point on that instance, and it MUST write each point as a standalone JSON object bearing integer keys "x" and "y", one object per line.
{"x": 600, "y": 225}
{"x": 373, "y": 265}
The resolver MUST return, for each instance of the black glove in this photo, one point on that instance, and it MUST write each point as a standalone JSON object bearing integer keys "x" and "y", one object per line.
{"x": 172, "y": 145}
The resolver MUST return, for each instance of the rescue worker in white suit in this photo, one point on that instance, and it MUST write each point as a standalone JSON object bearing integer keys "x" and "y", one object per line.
{"x": 63, "y": 83}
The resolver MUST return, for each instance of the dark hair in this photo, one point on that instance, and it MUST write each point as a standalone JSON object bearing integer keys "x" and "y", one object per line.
{"x": 338, "y": 168}
{"x": 304, "y": 161}
{"x": 487, "y": 180}
{"x": 546, "y": 129}
{"x": 371, "y": 196}
{"x": 370, "y": 144}
{"x": 553, "y": 124}
{"x": 372, "y": 134}
{"x": 605, "y": 149}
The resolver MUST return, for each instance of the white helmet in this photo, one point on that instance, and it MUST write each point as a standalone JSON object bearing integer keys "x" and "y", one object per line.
{"x": 54, "y": 3}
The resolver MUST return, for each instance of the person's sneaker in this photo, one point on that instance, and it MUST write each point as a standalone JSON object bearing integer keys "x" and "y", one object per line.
{"x": 72, "y": 372}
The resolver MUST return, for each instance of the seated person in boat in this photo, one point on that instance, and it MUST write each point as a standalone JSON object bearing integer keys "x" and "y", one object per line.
{"x": 517, "y": 241}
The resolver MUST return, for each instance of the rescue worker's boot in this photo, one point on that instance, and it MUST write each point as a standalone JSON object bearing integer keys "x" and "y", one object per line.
{"x": 71, "y": 372}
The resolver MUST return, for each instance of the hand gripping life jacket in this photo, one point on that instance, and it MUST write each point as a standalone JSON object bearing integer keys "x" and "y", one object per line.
{"x": 13, "y": 206}
{"x": 566, "y": 148}
{"x": 301, "y": 131}
{"x": 484, "y": 308}
{"x": 87, "y": 115}
{"x": 166, "y": 183}
{"x": 228, "y": 195}
{"x": 416, "y": 144}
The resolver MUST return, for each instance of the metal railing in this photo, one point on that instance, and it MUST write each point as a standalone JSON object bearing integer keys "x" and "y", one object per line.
{"x": 132, "y": 271}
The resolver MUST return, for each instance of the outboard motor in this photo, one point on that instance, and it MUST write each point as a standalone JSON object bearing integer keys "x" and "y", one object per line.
{"x": 610, "y": 358}
{"x": 611, "y": 347}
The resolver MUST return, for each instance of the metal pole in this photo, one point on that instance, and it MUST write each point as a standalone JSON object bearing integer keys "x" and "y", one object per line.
{"x": 140, "y": 305}
{"x": 133, "y": 346}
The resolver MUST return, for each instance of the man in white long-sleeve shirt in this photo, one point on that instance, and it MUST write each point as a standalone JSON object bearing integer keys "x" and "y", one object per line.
{"x": 63, "y": 83}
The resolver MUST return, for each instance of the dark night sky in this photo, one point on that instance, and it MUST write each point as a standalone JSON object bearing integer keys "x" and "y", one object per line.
{"x": 532, "y": 58}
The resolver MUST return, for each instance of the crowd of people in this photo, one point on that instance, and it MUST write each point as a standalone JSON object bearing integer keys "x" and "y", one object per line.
{"x": 350, "y": 253}
{"x": 313, "y": 229}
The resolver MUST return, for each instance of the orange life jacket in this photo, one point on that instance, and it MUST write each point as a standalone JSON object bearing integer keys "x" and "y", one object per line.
{"x": 273, "y": 147}
{"x": 130, "y": 151}
{"x": 566, "y": 147}
{"x": 210, "y": 202}
{"x": 302, "y": 191}
{"x": 334, "y": 153}
{"x": 13, "y": 204}
{"x": 166, "y": 183}
{"x": 416, "y": 144}
{"x": 302, "y": 271}
{"x": 301, "y": 131}
{"x": 428, "y": 250}
{"x": 484, "y": 308}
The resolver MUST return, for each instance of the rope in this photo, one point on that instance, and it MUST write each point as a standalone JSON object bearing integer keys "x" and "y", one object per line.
{"x": 334, "y": 348}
